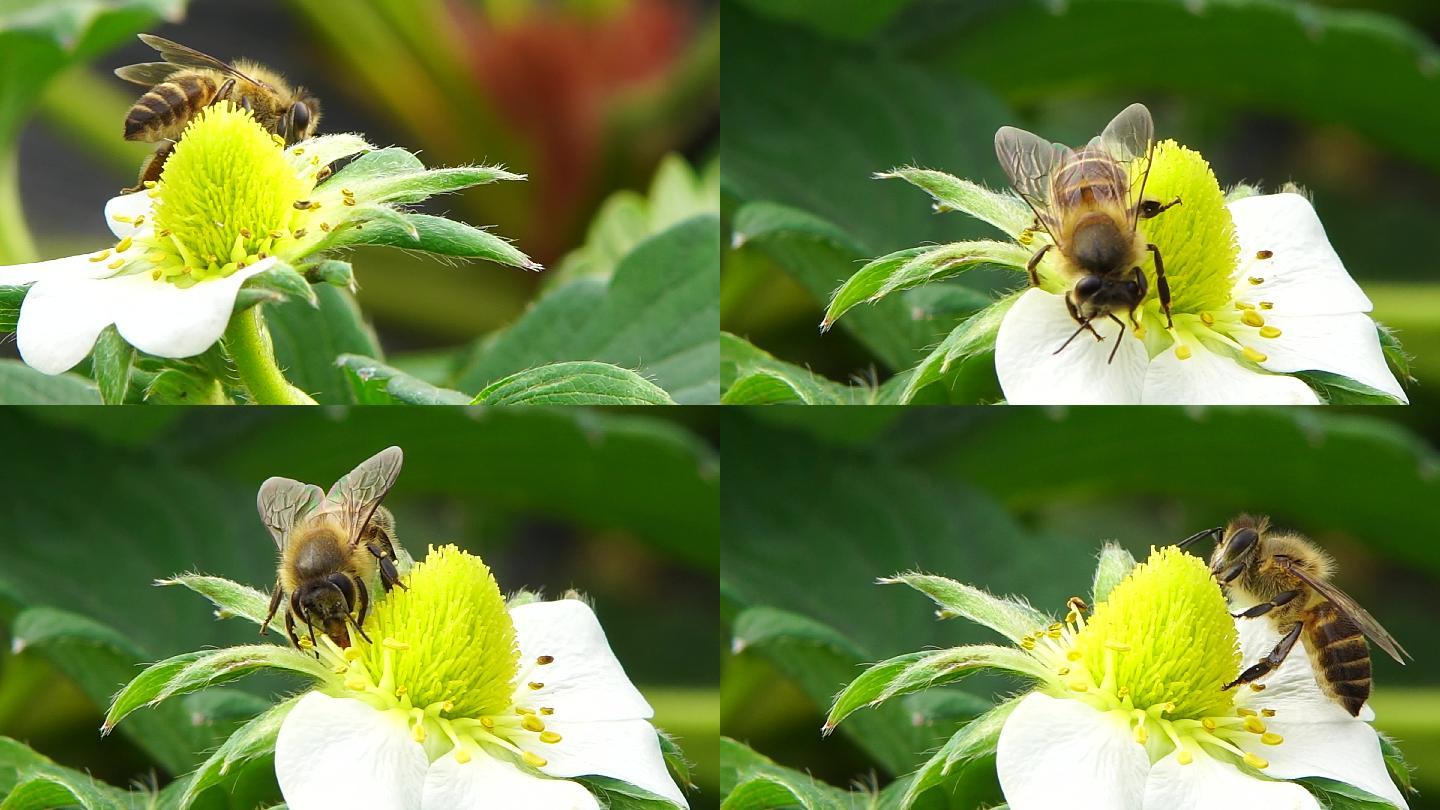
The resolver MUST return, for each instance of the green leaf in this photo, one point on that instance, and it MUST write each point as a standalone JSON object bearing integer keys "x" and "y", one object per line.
{"x": 658, "y": 314}
{"x": 308, "y": 340}
{"x": 22, "y": 385}
{"x": 848, "y": 19}
{"x": 978, "y": 738}
{"x": 375, "y": 383}
{"x": 253, "y": 740}
{"x": 111, "y": 363}
{"x": 912, "y": 268}
{"x": 10, "y": 300}
{"x": 31, "y": 781}
{"x": 574, "y": 383}
{"x": 99, "y": 660}
{"x": 1318, "y": 64}
{"x": 1336, "y": 795}
{"x": 749, "y": 376}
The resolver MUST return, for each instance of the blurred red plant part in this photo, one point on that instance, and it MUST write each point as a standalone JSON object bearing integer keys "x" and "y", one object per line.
{"x": 551, "y": 75}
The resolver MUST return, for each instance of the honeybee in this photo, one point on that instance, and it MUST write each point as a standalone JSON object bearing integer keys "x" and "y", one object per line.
{"x": 1287, "y": 577}
{"x": 189, "y": 81}
{"x": 330, "y": 545}
{"x": 1082, "y": 198}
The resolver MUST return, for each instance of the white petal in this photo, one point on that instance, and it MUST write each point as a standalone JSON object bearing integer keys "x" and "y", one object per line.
{"x": 1342, "y": 344}
{"x": 584, "y": 681}
{"x": 1208, "y": 378}
{"x": 129, "y": 206}
{"x": 1032, "y": 373}
{"x": 17, "y": 275}
{"x": 485, "y": 783}
{"x": 1207, "y": 784}
{"x": 339, "y": 752}
{"x": 63, "y": 314}
{"x": 1062, "y": 753}
{"x": 1320, "y": 737}
{"x": 162, "y": 319}
{"x": 628, "y": 750}
{"x": 1303, "y": 276}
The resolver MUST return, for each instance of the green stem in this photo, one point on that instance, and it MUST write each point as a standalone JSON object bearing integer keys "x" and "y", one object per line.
{"x": 16, "y": 246}
{"x": 248, "y": 342}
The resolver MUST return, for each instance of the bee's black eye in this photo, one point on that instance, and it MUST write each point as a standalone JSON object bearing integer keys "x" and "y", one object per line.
{"x": 1149, "y": 208}
{"x": 299, "y": 118}
{"x": 1240, "y": 542}
{"x": 1088, "y": 285}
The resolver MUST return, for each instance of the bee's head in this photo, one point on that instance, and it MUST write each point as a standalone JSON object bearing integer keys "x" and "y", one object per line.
{"x": 1238, "y": 547}
{"x": 326, "y": 605}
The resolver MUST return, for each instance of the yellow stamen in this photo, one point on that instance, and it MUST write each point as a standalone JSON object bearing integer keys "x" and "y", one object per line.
{"x": 1254, "y": 356}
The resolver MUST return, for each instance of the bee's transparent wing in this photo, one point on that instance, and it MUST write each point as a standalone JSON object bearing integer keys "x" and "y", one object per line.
{"x": 1352, "y": 610}
{"x": 282, "y": 501}
{"x": 148, "y": 74}
{"x": 1029, "y": 160}
{"x": 1130, "y": 140}
{"x": 178, "y": 54}
{"x": 360, "y": 491}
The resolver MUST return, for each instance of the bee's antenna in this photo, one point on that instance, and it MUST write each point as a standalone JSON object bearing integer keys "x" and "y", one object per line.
{"x": 1200, "y": 536}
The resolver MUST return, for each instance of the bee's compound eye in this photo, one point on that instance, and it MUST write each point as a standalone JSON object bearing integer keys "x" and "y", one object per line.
{"x": 299, "y": 118}
{"x": 1240, "y": 542}
{"x": 1088, "y": 286}
{"x": 1149, "y": 208}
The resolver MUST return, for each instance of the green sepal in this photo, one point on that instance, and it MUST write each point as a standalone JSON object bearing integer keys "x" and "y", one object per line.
{"x": 1337, "y": 389}
{"x": 1011, "y": 618}
{"x": 193, "y": 671}
{"x": 915, "y": 672}
{"x": 973, "y": 337}
{"x": 184, "y": 386}
{"x": 229, "y": 597}
{"x": 333, "y": 272}
{"x": 434, "y": 235}
{"x": 111, "y": 364}
{"x": 978, "y": 738}
{"x": 254, "y": 739}
{"x": 573, "y": 383}
{"x": 1005, "y": 211}
{"x": 1114, "y": 565}
{"x": 286, "y": 282}
{"x": 913, "y": 267}
{"x": 10, "y": 299}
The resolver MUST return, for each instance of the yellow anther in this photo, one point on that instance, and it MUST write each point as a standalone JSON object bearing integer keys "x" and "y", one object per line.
{"x": 1256, "y": 762}
{"x": 523, "y": 710}
{"x": 338, "y": 669}
{"x": 299, "y": 233}
{"x": 347, "y": 192}
{"x": 1123, "y": 692}
{"x": 325, "y": 226}
{"x": 395, "y": 644}
{"x": 1027, "y": 643}
{"x": 122, "y": 218}
{"x": 1268, "y": 712}
{"x": 1257, "y": 687}
{"x": 1141, "y": 734}
{"x": 462, "y": 756}
{"x": 1079, "y": 686}
{"x": 277, "y": 234}
{"x": 1254, "y": 725}
{"x": 535, "y": 685}
{"x": 140, "y": 220}
{"x": 1242, "y": 305}
{"x": 1073, "y": 655}
{"x": 297, "y": 151}
{"x": 351, "y": 653}
{"x": 1269, "y": 332}
{"x": 546, "y": 710}
{"x": 1183, "y": 352}
{"x": 1257, "y": 280}
{"x": 279, "y": 141}
{"x": 148, "y": 184}
{"x": 1207, "y": 319}
{"x": 1267, "y": 304}
{"x": 315, "y": 160}
{"x": 305, "y": 643}
{"x": 1185, "y": 757}
{"x": 1246, "y": 712}
{"x": 1264, "y": 254}
{"x": 348, "y": 200}
{"x": 549, "y": 737}
{"x": 1208, "y": 724}
{"x": 534, "y": 760}
{"x": 1063, "y": 671}
{"x": 1252, "y": 318}
{"x": 355, "y": 683}
{"x": 116, "y": 265}
{"x": 1254, "y": 356}
{"x": 155, "y": 275}
{"x": 1271, "y": 738}
{"x": 1117, "y": 646}
{"x": 402, "y": 691}
{"x": 532, "y": 723}
{"x": 545, "y": 659}
{"x": 487, "y": 722}
{"x": 1054, "y": 633}
{"x": 418, "y": 733}
{"x": 101, "y": 256}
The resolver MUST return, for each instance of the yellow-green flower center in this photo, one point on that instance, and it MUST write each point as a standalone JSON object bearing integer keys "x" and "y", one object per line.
{"x": 1156, "y": 655}
{"x": 1197, "y": 237}
{"x": 443, "y": 658}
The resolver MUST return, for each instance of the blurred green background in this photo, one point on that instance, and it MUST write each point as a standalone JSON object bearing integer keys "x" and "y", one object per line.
{"x": 619, "y": 505}
{"x": 818, "y": 503}
{"x": 585, "y": 97}
{"x": 1340, "y": 97}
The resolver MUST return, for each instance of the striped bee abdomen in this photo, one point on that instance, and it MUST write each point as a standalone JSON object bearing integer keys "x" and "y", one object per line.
{"x": 1341, "y": 657}
{"x": 167, "y": 106}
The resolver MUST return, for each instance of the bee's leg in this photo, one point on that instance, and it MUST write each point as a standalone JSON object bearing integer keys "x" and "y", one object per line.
{"x": 1163, "y": 285}
{"x": 1267, "y": 664}
{"x": 1265, "y": 607}
{"x": 290, "y": 629}
{"x": 362, "y": 595}
{"x": 1116, "y": 347}
{"x": 1035, "y": 262}
{"x": 151, "y": 169}
{"x": 389, "y": 574}
{"x": 224, "y": 93}
{"x": 274, "y": 606}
